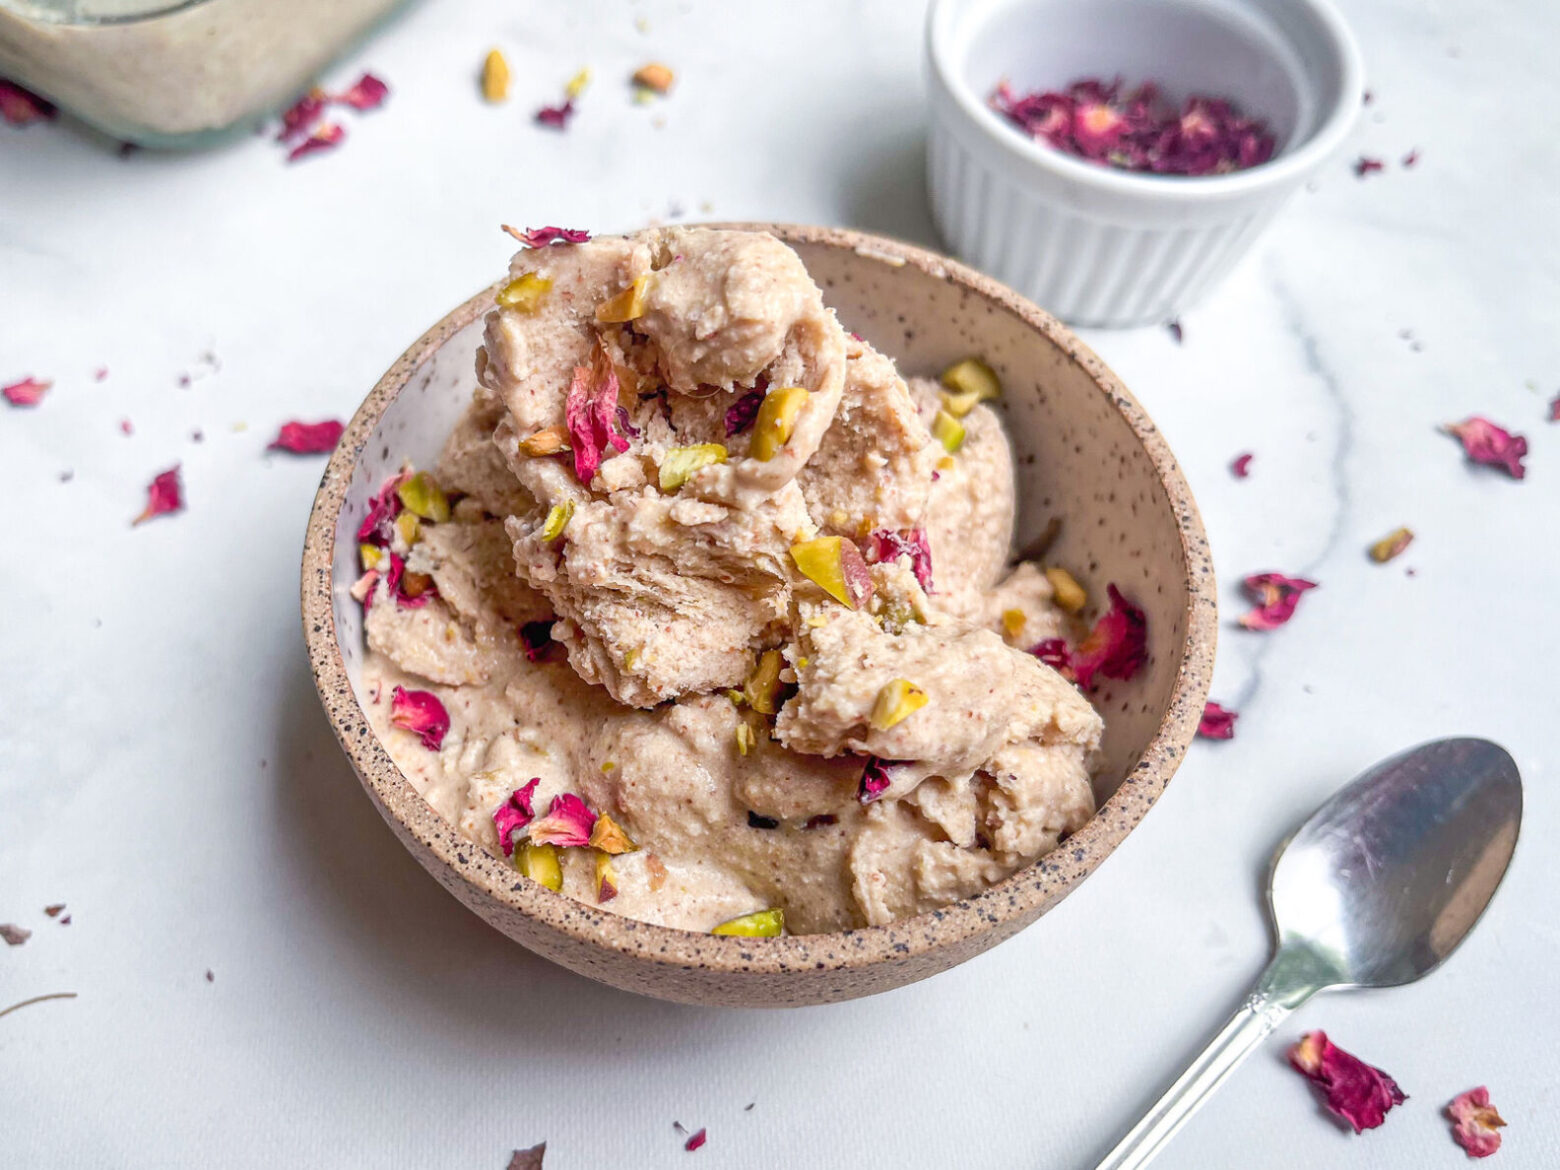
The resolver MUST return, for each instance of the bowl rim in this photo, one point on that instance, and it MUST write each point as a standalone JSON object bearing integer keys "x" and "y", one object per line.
{"x": 1027, "y": 892}
{"x": 1283, "y": 169}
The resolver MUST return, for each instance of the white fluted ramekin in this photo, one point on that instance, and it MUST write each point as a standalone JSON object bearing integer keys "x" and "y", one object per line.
{"x": 1093, "y": 244}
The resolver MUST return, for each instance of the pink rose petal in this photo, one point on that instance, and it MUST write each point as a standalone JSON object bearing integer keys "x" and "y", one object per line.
{"x": 535, "y": 638}
{"x": 1240, "y": 468}
{"x": 20, "y": 107}
{"x": 1490, "y": 445}
{"x": 378, "y": 526}
{"x": 1367, "y": 166}
{"x": 1350, "y": 1088}
{"x": 1217, "y": 722}
{"x": 1117, "y": 645}
{"x": 367, "y": 93}
{"x": 694, "y": 1142}
{"x": 1054, "y": 653}
{"x": 568, "y": 823}
{"x": 543, "y": 236}
{"x": 515, "y": 814}
{"x": 1276, "y": 596}
{"x": 742, "y": 412}
{"x": 1554, "y": 409}
{"x": 1476, "y": 1124}
{"x": 875, "y": 779}
{"x": 556, "y": 116}
{"x": 886, "y": 545}
{"x": 303, "y": 438}
{"x": 590, "y": 413}
{"x": 299, "y": 118}
{"x": 414, "y": 598}
{"x": 163, "y": 495}
{"x": 27, "y": 392}
{"x": 422, "y": 713}
{"x": 327, "y": 137}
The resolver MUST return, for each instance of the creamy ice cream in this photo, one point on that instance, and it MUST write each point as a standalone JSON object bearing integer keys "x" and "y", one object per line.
{"x": 706, "y": 612}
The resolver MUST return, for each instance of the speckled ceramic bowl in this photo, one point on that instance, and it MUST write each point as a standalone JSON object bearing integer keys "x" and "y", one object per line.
{"x": 1088, "y": 457}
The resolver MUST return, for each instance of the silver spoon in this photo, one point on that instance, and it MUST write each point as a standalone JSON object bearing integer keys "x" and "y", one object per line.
{"x": 1375, "y": 890}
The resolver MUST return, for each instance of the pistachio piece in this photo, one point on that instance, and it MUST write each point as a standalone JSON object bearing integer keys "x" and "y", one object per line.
{"x": 577, "y": 84}
{"x": 763, "y": 686}
{"x": 540, "y": 864}
{"x": 372, "y": 556}
{"x": 609, "y": 836}
{"x": 970, "y": 382}
{"x": 759, "y": 924}
{"x": 606, "y": 878}
{"x": 1065, "y": 590}
{"x": 896, "y": 702}
{"x": 1391, "y": 545}
{"x": 524, "y": 294}
{"x": 655, "y": 77}
{"x": 680, "y": 463}
{"x": 776, "y": 420}
{"x": 746, "y": 740}
{"x": 948, "y": 431}
{"x": 548, "y": 441}
{"x": 558, "y": 517}
{"x": 409, "y": 528}
{"x": 628, "y": 305}
{"x": 835, "y": 565}
{"x": 495, "y": 77}
{"x": 422, "y": 494}
{"x": 1013, "y": 622}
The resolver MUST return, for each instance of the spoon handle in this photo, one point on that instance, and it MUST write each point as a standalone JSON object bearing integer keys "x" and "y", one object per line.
{"x": 1284, "y": 986}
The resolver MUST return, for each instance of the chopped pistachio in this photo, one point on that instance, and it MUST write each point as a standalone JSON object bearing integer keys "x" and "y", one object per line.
{"x": 525, "y": 293}
{"x": 631, "y": 658}
{"x": 558, "y": 517}
{"x": 409, "y": 528}
{"x": 606, "y": 878}
{"x": 970, "y": 382}
{"x": 610, "y": 837}
{"x": 776, "y": 420}
{"x": 680, "y": 463}
{"x": 759, "y": 924}
{"x": 643, "y": 96}
{"x": 801, "y": 663}
{"x": 763, "y": 686}
{"x": 654, "y": 76}
{"x": 607, "y": 766}
{"x": 422, "y": 494}
{"x": 628, "y": 305}
{"x": 1389, "y": 546}
{"x": 1068, "y": 594}
{"x": 548, "y": 441}
{"x": 1013, "y": 621}
{"x": 373, "y": 557}
{"x": 896, "y": 702}
{"x": 540, "y": 864}
{"x": 738, "y": 699}
{"x": 577, "y": 84}
{"x": 746, "y": 740}
{"x": 948, "y": 431}
{"x": 495, "y": 77}
{"x": 838, "y": 518}
{"x": 835, "y": 565}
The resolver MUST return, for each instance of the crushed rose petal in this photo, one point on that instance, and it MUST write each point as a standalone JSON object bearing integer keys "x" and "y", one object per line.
{"x": 326, "y": 137}
{"x": 543, "y": 236}
{"x": 14, "y": 935}
{"x": 422, "y": 713}
{"x": 1117, "y": 645}
{"x": 742, "y": 412}
{"x": 410, "y": 590}
{"x": 164, "y": 494}
{"x": 21, "y": 107}
{"x": 1351, "y": 1089}
{"x": 1217, "y": 722}
{"x": 303, "y": 438}
{"x": 888, "y": 545}
{"x": 1177, "y": 333}
{"x": 1276, "y": 596}
{"x": 1476, "y": 1124}
{"x": 300, "y": 117}
{"x": 590, "y": 412}
{"x": 1053, "y": 652}
{"x": 535, "y": 637}
{"x": 1490, "y": 445}
{"x": 694, "y": 1142}
{"x": 556, "y": 116}
{"x": 515, "y": 814}
{"x": 367, "y": 93}
{"x": 875, "y": 779}
{"x": 530, "y": 1159}
{"x": 1138, "y": 130}
{"x": 568, "y": 823}
{"x": 1240, "y": 467}
{"x": 378, "y": 525}
{"x": 1367, "y": 166}
{"x": 1554, "y": 409}
{"x": 27, "y": 392}
{"x": 1411, "y": 157}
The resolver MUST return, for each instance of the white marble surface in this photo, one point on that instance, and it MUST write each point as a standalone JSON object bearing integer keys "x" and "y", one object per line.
{"x": 166, "y": 771}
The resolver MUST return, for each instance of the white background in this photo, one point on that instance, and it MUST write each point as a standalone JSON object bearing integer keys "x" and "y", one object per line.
{"x": 165, "y": 768}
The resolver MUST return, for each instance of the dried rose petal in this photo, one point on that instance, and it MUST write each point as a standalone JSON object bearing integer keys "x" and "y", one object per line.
{"x": 875, "y": 780}
{"x": 568, "y": 823}
{"x": 20, "y": 107}
{"x": 610, "y": 837}
{"x": 378, "y": 526}
{"x": 694, "y": 1142}
{"x": 1351, "y": 1089}
{"x": 326, "y": 137}
{"x": 1240, "y": 467}
{"x": 1366, "y": 166}
{"x": 367, "y": 93}
{"x": 515, "y": 814}
{"x": 1177, "y": 333}
{"x": 420, "y": 712}
{"x": 1554, "y": 409}
{"x": 543, "y": 236}
{"x": 590, "y": 412}
{"x": 1490, "y": 445}
{"x": 303, "y": 438}
{"x": 535, "y": 637}
{"x": 1276, "y": 596}
{"x": 1117, "y": 645}
{"x": 1217, "y": 722}
{"x": 556, "y": 116}
{"x": 888, "y": 545}
{"x": 1054, "y": 653}
{"x": 528, "y": 1159}
{"x": 125, "y": 427}
{"x": 54, "y": 910}
{"x": 1476, "y": 1124}
{"x": 410, "y": 590}
{"x": 14, "y": 935}
{"x": 27, "y": 392}
{"x": 300, "y": 117}
{"x": 1411, "y": 157}
{"x": 742, "y": 412}
{"x": 163, "y": 495}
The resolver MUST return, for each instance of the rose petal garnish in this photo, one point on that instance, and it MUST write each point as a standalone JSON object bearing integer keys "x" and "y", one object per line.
{"x": 1391, "y": 545}
{"x": 495, "y": 77}
{"x": 698, "y": 1139}
{"x": 1070, "y": 597}
{"x": 1054, "y": 653}
{"x": 1411, "y": 158}
{"x": 421, "y": 713}
{"x": 896, "y": 702}
{"x": 742, "y": 412}
{"x": 1117, "y": 645}
{"x": 21, "y": 107}
{"x": 378, "y": 526}
{"x": 326, "y": 137}
{"x": 590, "y": 412}
{"x": 528, "y": 1159}
{"x": 606, "y": 878}
{"x": 535, "y": 637}
{"x": 1276, "y": 596}
{"x": 680, "y": 464}
{"x": 303, "y": 438}
{"x": 1240, "y": 466}
{"x": 763, "y": 687}
{"x": 54, "y": 910}
{"x": 515, "y": 814}
{"x": 410, "y": 590}
{"x": 759, "y": 924}
{"x": 14, "y": 935}
{"x": 1476, "y": 1124}
{"x": 543, "y": 236}
{"x": 524, "y": 294}
{"x": 422, "y": 495}
{"x": 568, "y": 823}
{"x": 163, "y": 495}
{"x": 556, "y": 116}
{"x": 558, "y": 517}
{"x": 27, "y": 392}
{"x": 887, "y": 545}
{"x": 776, "y": 420}
{"x": 610, "y": 837}
{"x": 836, "y": 565}
{"x": 1351, "y": 1089}
{"x": 299, "y": 117}
{"x": 1367, "y": 166}
{"x": 540, "y": 863}
{"x": 1554, "y": 409}
{"x": 1490, "y": 445}
{"x": 1177, "y": 332}
{"x": 875, "y": 779}
{"x": 1217, "y": 722}
{"x": 367, "y": 93}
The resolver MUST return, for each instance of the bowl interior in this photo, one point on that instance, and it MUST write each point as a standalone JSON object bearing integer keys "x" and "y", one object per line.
{"x": 1079, "y": 463}
{"x": 1274, "y": 58}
